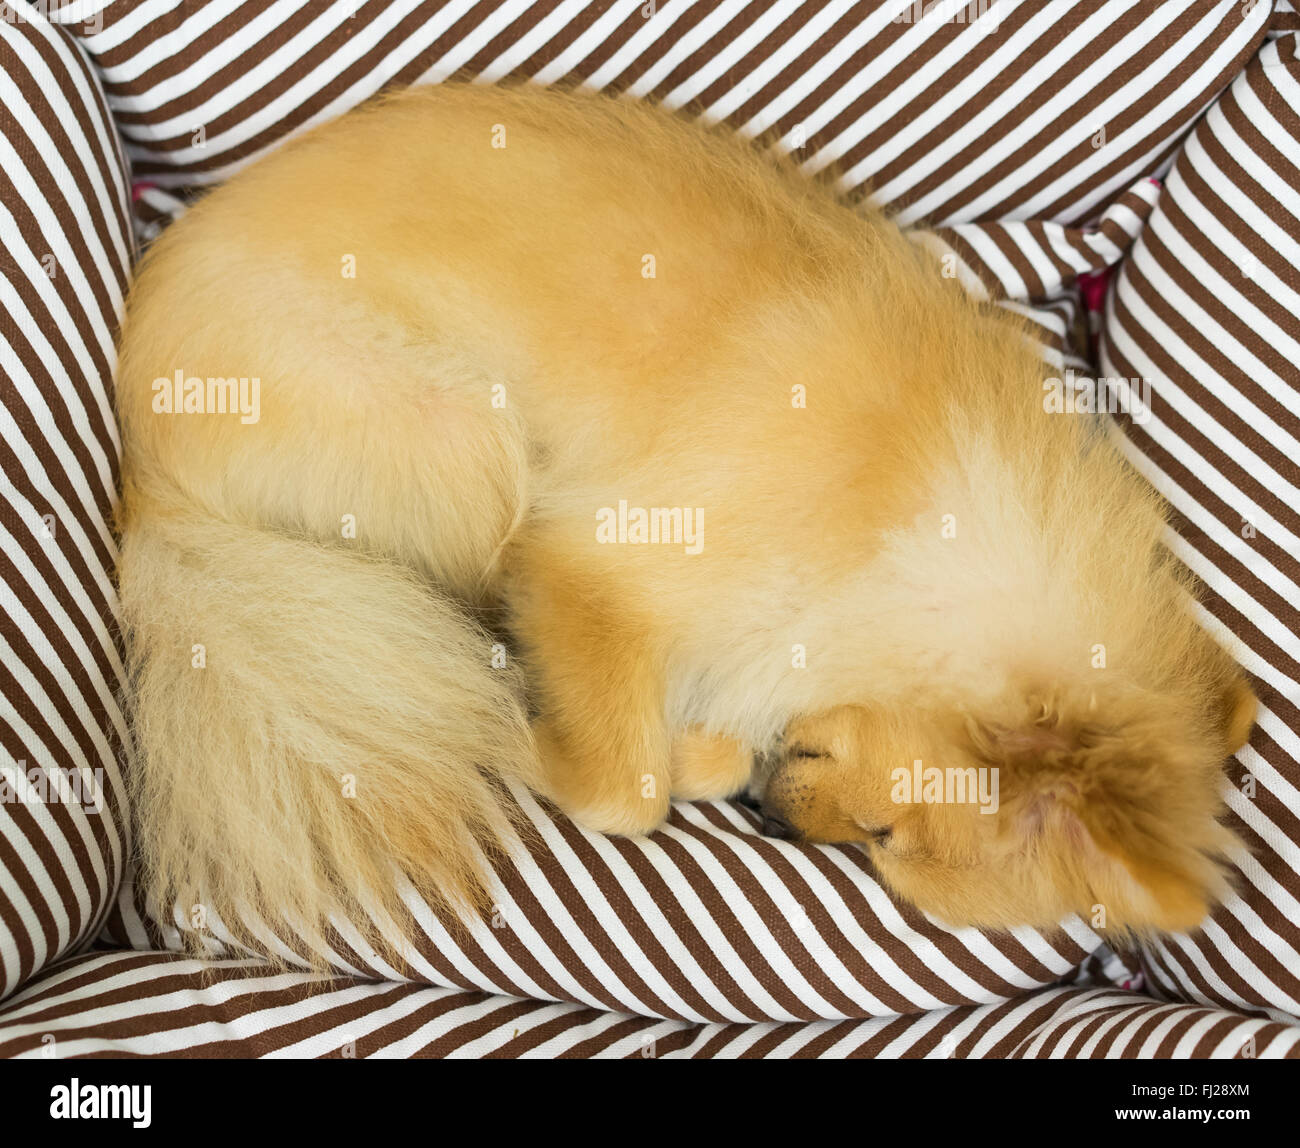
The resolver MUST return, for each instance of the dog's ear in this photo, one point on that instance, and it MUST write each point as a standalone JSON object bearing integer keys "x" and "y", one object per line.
{"x": 1153, "y": 870}
{"x": 1103, "y": 806}
{"x": 1146, "y": 868}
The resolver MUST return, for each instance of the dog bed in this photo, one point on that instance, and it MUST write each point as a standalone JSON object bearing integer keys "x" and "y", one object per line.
{"x": 1037, "y": 149}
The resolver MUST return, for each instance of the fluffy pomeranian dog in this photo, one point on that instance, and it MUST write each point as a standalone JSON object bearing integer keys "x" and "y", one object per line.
{"x": 735, "y": 470}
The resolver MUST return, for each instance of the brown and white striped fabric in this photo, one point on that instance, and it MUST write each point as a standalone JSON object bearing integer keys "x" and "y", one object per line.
{"x": 947, "y": 110}
{"x": 1028, "y": 141}
{"x": 66, "y": 240}
{"x": 1285, "y": 18}
{"x": 1035, "y": 268}
{"x": 706, "y": 920}
{"x": 152, "y": 1004}
{"x": 1207, "y": 309}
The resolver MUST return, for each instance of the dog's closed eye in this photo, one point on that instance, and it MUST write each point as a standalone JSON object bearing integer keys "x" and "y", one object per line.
{"x": 877, "y": 834}
{"x": 804, "y": 752}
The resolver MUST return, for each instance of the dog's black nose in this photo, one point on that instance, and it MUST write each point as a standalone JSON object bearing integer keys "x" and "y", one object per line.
{"x": 778, "y": 827}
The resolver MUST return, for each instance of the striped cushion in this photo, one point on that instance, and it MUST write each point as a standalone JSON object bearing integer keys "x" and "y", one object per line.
{"x": 1208, "y": 309}
{"x": 1049, "y": 125}
{"x": 153, "y": 1004}
{"x": 65, "y": 234}
{"x": 1030, "y": 111}
{"x": 707, "y": 920}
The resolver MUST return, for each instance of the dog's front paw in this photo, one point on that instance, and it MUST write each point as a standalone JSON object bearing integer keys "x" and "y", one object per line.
{"x": 706, "y": 767}
{"x": 599, "y": 796}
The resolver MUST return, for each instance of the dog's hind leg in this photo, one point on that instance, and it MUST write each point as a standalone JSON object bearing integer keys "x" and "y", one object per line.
{"x": 598, "y": 684}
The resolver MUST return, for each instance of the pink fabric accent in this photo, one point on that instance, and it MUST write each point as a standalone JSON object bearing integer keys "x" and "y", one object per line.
{"x": 1093, "y": 286}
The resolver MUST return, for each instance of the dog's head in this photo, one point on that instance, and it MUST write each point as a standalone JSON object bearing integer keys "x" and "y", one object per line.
{"x": 1049, "y": 803}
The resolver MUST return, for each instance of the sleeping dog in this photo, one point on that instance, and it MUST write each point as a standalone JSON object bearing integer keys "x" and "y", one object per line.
{"x": 733, "y": 472}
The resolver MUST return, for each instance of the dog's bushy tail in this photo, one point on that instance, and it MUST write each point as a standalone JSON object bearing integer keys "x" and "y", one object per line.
{"x": 306, "y": 719}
